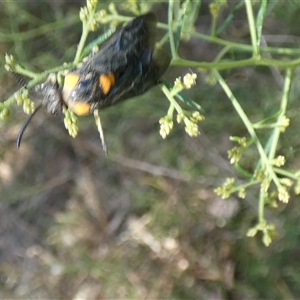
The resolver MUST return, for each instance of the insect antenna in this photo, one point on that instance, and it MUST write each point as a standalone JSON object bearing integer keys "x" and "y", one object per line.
{"x": 20, "y": 135}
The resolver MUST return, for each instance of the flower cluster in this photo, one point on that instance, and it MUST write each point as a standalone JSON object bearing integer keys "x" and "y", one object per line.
{"x": 230, "y": 187}
{"x": 190, "y": 119}
{"x": 191, "y": 123}
{"x": 235, "y": 153}
{"x": 9, "y": 63}
{"x": 226, "y": 189}
{"x": 216, "y": 6}
{"x": 284, "y": 122}
{"x": 4, "y": 111}
{"x": 22, "y": 98}
{"x": 86, "y": 14}
{"x": 189, "y": 80}
{"x": 166, "y": 125}
{"x": 268, "y": 231}
{"x": 71, "y": 122}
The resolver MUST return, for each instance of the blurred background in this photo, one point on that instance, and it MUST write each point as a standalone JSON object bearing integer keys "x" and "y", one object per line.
{"x": 143, "y": 222}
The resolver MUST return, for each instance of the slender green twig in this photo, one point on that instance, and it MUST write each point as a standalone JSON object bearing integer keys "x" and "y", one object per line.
{"x": 87, "y": 21}
{"x": 170, "y": 97}
{"x": 170, "y": 29}
{"x": 213, "y": 25}
{"x": 221, "y": 53}
{"x": 84, "y": 35}
{"x": 39, "y": 77}
{"x": 252, "y": 27}
{"x": 171, "y": 110}
{"x": 229, "y": 18}
{"x": 260, "y": 20}
{"x": 228, "y": 64}
{"x": 261, "y": 207}
{"x": 249, "y": 127}
{"x": 244, "y": 186}
{"x": 33, "y": 33}
{"x": 98, "y": 41}
{"x": 232, "y": 45}
{"x": 22, "y": 71}
{"x": 287, "y": 173}
{"x": 36, "y": 78}
{"x": 284, "y": 101}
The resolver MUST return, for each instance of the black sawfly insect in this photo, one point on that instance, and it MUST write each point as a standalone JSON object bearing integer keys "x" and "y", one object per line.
{"x": 127, "y": 65}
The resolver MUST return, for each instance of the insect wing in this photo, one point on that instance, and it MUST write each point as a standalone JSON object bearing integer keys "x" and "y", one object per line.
{"x": 124, "y": 67}
{"x": 140, "y": 77}
{"x": 124, "y": 47}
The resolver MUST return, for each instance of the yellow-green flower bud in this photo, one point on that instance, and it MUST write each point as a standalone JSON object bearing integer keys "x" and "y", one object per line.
{"x": 283, "y": 194}
{"x": 166, "y": 125}
{"x": 189, "y": 80}
{"x": 4, "y": 113}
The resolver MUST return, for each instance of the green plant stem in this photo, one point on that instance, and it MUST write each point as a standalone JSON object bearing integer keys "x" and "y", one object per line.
{"x": 181, "y": 96}
{"x": 20, "y": 70}
{"x": 170, "y": 29}
{"x": 221, "y": 53}
{"x": 227, "y": 64}
{"x": 242, "y": 171}
{"x": 261, "y": 207}
{"x": 180, "y": 23}
{"x": 232, "y": 45}
{"x": 252, "y": 27}
{"x": 98, "y": 41}
{"x": 213, "y": 25}
{"x": 36, "y": 78}
{"x": 230, "y": 17}
{"x": 286, "y": 173}
{"x": 244, "y": 186}
{"x": 42, "y": 30}
{"x": 116, "y": 18}
{"x": 260, "y": 20}
{"x": 85, "y": 31}
{"x": 39, "y": 77}
{"x": 249, "y": 127}
{"x": 284, "y": 102}
{"x": 84, "y": 35}
{"x": 265, "y": 126}
{"x": 171, "y": 111}
{"x": 171, "y": 99}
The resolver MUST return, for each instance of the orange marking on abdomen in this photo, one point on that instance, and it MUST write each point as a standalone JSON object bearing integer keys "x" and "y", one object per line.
{"x": 79, "y": 108}
{"x": 106, "y": 82}
{"x": 71, "y": 80}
